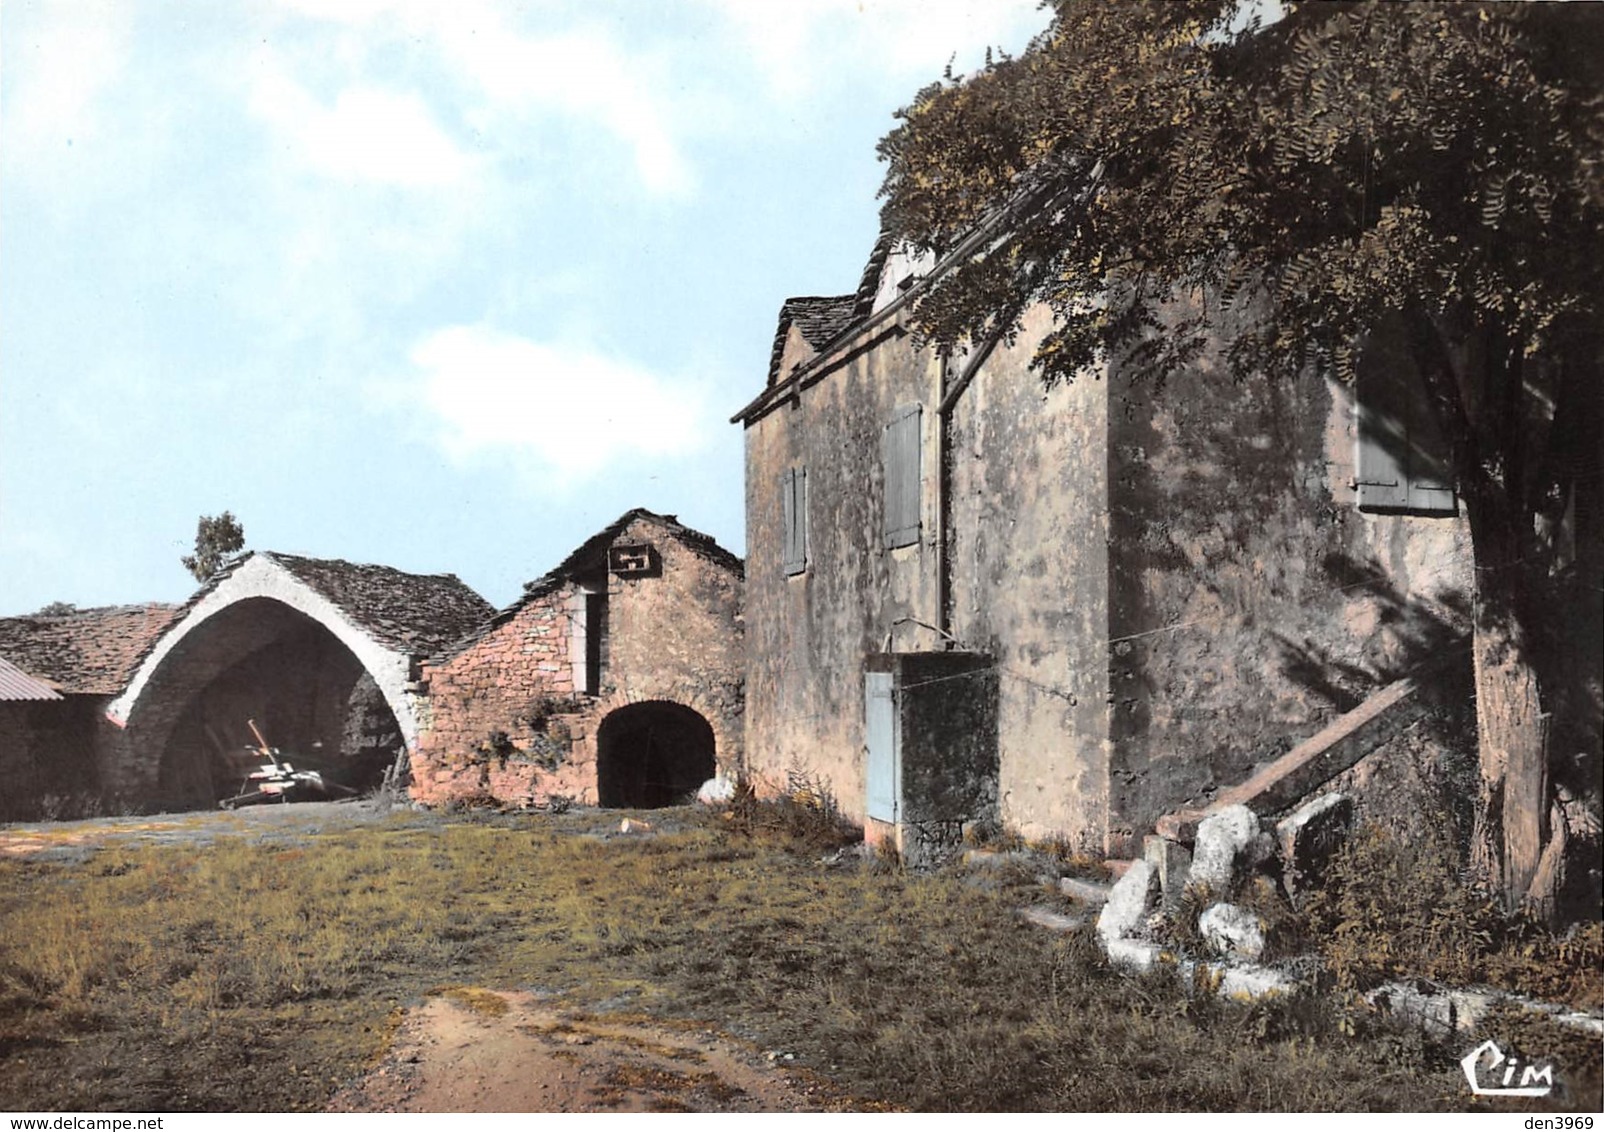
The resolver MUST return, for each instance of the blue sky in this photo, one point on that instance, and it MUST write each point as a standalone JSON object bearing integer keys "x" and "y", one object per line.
{"x": 442, "y": 285}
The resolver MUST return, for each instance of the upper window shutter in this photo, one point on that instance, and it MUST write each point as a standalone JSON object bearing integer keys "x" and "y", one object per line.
{"x": 900, "y": 446}
{"x": 793, "y": 505}
{"x": 1382, "y": 479}
{"x": 1401, "y": 461}
{"x": 802, "y": 517}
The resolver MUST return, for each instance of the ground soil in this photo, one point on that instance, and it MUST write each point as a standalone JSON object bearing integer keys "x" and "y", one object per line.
{"x": 478, "y": 1050}
{"x": 512, "y": 1052}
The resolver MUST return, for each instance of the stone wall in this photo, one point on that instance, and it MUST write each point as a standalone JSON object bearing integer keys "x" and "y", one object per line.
{"x": 1175, "y": 580}
{"x": 510, "y": 716}
{"x": 809, "y": 632}
{"x": 47, "y": 759}
{"x": 1251, "y": 600}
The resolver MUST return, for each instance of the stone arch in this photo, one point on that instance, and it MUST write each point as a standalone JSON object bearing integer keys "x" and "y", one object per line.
{"x": 653, "y": 753}
{"x": 255, "y": 610}
{"x": 726, "y": 723}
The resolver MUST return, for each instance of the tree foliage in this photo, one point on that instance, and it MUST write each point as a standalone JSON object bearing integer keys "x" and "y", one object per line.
{"x": 1438, "y": 167}
{"x": 216, "y": 538}
{"x": 1350, "y": 160}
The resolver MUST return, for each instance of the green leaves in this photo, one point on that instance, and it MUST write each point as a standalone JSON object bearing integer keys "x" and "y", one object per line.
{"x": 1341, "y": 162}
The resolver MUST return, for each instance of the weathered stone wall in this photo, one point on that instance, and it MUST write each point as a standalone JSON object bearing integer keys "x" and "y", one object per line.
{"x": 808, "y": 633}
{"x": 674, "y": 636}
{"x": 1251, "y": 601}
{"x": 47, "y": 759}
{"x": 1030, "y": 582}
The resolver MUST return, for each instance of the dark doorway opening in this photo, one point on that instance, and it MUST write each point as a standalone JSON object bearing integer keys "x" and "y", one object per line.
{"x": 306, "y": 691}
{"x": 652, "y": 754}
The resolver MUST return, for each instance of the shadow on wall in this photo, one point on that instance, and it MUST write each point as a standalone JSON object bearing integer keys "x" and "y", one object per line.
{"x": 1418, "y": 632}
{"x": 652, "y": 754}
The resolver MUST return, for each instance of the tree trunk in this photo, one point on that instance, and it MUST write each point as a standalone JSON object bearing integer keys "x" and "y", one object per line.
{"x": 1481, "y": 405}
{"x": 1513, "y": 826}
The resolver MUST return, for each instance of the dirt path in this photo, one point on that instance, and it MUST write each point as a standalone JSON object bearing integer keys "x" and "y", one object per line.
{"x": 474, "y": 1050}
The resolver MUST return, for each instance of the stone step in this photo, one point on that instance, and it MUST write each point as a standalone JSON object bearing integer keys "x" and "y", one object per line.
{"x": 1055, "y": 921}
{"x": 1086, "y": 891}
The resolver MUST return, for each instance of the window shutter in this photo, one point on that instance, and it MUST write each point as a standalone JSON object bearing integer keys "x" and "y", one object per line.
{"x": 1382, "y": 480}
{"x": 793, "y": 506}
{"x": 802, "y": 518}
{"x": 1401, "y": 461}
{"x": 900, "y": 445}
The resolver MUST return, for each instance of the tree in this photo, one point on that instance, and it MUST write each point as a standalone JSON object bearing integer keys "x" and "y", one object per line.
{"x": 1437, "y": 165}
{"x": 216, "y": 538}
{"x": 56, "y": 609}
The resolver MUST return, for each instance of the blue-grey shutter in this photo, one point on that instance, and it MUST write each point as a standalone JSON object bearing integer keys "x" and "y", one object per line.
{"x": 1431, "y": 479}
{"x": 1401, "y": 462}
{"x": 880, "y": 729}
{"x": 793, "y": 520}
{"x": 802, "y": 517}
{"x": 1383, "y": 439}
{"x": 900, "y": 445}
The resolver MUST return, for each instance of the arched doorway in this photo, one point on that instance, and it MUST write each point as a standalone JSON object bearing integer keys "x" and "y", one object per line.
{"x": 306, "y": 691}
{"x": 652, "y": 754}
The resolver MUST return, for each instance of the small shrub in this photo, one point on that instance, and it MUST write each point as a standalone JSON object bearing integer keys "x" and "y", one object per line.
{"x": 1394, "y": 908}
{"x": 806, "y": 818}
{"x": 473, "y": 800}
{"x": 498, "y": 746}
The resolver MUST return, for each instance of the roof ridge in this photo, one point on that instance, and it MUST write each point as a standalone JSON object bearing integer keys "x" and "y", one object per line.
{"x": 584, "y": 557}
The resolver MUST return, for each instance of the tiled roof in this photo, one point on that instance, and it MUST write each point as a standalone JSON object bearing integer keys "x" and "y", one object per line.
{"x": 819, "y": 319}
{"x": 87, "y": 651}
{"x": 15, "y": 684}
{"x": 411, "y": 613}
{"x": 869, "y": 281}
{"x": 415, "y": 614}
{"x": 591, "y": 556}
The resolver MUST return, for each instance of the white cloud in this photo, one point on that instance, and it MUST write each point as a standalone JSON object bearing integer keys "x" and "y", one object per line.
{"x": 59, "y": 64}
{"x": 368, "y": 134}
{"x": 569, "y": 410}
{"x": 801, "y": 41}
{"x": 581, "y": 75}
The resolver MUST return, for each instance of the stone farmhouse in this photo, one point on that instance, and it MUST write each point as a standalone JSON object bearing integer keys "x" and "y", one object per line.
{"x": 1072, "y": 611}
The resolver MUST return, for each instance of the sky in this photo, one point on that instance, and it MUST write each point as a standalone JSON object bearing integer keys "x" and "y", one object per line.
{"x": 446, "y": 285}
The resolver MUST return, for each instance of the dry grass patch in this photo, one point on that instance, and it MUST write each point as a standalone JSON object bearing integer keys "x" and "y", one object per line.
{"x": 242, "y": 976}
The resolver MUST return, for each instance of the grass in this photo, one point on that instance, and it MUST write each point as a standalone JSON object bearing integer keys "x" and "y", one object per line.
{"x": 241, "y": 976}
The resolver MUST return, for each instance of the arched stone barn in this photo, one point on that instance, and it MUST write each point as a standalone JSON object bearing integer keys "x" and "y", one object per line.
{"x": 654, "y": 753}
{"x": 322, "y": 654}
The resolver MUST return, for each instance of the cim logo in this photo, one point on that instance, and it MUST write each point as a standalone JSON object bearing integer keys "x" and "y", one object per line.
{"x": 1483, "y": 1064}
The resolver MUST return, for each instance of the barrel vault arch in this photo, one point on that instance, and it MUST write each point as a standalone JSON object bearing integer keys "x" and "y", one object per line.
{"x": 379, "y": 619}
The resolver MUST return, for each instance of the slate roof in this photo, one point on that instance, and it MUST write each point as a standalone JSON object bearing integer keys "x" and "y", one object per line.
{"x": 410, "y": 613}
{"x": 85, "y": 652}
{"x": 591, "y": 557}
{"x": 819, "y": 319}
{"x": 16, "y": 685}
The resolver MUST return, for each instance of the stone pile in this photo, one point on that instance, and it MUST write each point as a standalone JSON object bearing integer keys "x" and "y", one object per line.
{"x": 1231, "y": 847}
